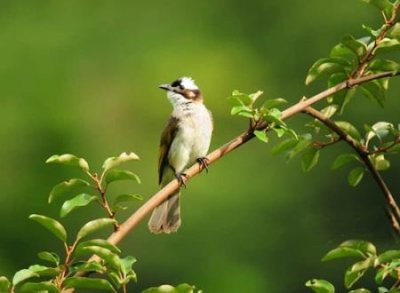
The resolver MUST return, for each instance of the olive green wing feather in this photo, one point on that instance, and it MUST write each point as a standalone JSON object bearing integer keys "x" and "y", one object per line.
{"x": 167, "y": 137}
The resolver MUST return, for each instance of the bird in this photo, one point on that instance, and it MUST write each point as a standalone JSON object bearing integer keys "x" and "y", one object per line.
{"x": 185, "y": 139}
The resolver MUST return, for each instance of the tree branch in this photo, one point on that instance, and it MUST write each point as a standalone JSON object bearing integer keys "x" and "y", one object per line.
{"x": 363, "y": 153}
{"x": 241, "y": 139}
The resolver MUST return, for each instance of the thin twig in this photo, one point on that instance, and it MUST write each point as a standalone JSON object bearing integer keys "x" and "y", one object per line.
{"x": 363, "y": 153}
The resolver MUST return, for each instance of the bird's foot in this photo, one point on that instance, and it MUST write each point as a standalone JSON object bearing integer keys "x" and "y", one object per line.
{"x": 204, "y": 162}
{"x": 182, "y": 178}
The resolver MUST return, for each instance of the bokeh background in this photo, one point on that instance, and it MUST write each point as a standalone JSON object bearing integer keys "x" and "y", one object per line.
{"x": 81, "y": 77}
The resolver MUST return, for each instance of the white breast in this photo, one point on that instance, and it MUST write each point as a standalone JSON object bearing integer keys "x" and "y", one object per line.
{"x": 193, "y": 138}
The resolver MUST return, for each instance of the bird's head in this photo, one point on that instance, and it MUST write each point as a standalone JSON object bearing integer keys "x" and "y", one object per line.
{"x": 182, "y": 91}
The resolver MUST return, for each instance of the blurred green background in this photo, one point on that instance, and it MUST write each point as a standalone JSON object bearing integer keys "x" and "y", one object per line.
{"x": 81, "y": 77}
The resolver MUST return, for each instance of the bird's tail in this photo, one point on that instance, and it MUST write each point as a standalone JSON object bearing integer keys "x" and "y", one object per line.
{"x": 166, "y": 218}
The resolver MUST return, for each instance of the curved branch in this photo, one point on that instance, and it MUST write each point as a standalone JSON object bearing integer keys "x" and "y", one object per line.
{"x": 238, "y": 141}
{"x": 393, "y": 209}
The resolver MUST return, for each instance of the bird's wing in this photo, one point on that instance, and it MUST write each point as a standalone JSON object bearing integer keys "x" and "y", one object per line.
{"x": 167, "y": 137}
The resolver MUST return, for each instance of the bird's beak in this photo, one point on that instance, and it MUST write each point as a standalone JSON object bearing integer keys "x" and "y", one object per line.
{"x": 166, "y": 87}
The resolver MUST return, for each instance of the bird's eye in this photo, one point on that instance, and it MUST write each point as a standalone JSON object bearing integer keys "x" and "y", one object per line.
{"x": 176, "y": 83}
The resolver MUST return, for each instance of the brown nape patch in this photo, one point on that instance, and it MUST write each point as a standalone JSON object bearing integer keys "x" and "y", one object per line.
{"x": 193, "y": 95}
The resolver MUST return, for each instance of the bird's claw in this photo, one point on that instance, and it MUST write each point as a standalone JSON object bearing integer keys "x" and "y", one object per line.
{"x": 181, "y": 177}
{"x": 204, "y": 162}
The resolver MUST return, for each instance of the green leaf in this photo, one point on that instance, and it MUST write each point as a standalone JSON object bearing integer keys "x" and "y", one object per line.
{"x": 126, "y": 198}
{"x": 182, "y": 288}
{"x": 343, "y": 252}
{"x": 388, "y": 45}
{"x": 303, "y": 143}
{"x": 271, "y": 103}
{"x": 365, "y": 247}
{"x": 94, "y": 226}
{"x": 383, "y": 5}
{"x": 261, "y": 135}
{"x": 356, "y": 271}
{"x": 374, "y": 91}
{"x": 320, "y": 286}
{"x": 387, "y": 256}
{"x": 4, "y": 284}
{"x": 371, "y": 31}
{"x": 80, "y": 200}
{"x": 361, "y": 290}
{"x": 113, "y": 162}
{"x": 380, "y": 65}
{"x": 111, "y": 258}
{"x": 50, "y": 257}
{"x": 52, "y": 225}
{"x": 380, "y": 129}
{"x": 117, "y": 175}
{"x": 341, "y": 51}
{"x": 92, "y": 266}
{"x": 343, "y": 97}
{"x": 380, "y": 163}
{"x": 355, "y": 176}
{"x": 127, "y": 264}
{"x": 241, "y": 108}
{"x": 310, "y": 159}
{"x": 239, "y": 98}
{"x": 46, "y": 287}
{"x": 326, "y": 66}
{"x": 100, "y": 243}
{"x": 70, "y": 160}
{"x": 342, "y": 160}
{"x": 395, "y": 31}
{"x": 284, "y": 146}
{"x": 23, "y": 275}
{"x": 329, "y": 111}
{"x": 88, "y": 283}
{"x": 356, "y": 46}
{"x": 349, "y": 129}
{"x": 67, "y": 186}
{"x": 44, "y": 271}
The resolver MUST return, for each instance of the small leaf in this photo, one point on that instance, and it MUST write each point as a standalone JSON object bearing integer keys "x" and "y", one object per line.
{"x": 374, "y": 91}
{"x": 50, "y": 257}
{"x": 380, "y": 129}
{"x": 23, "y": 275}
{"x": 101, "y": 243}
{"x": 67, "y": 186}
{"x": 361, "y": 290}
{"x": 44, "y": 271}
{"x": 355, "y": 176}
{"x": 320, "y": 286}
{"x": 303, "y": 143}
{"x": 271, "y": 103}
{"x": 388, "y": 256}
{"x": 388, "y": 45}
{"x": 70, "y": 160}
{"x": 261, "y": 135}
{"x": 94, "y": 226}
{"x": 343, "y": 252}
{"x": 342, "y": 160}
{"x": 127, "y": 264}
{"x": 92, "y": 266}
{"x": 355, "y": 272}
{"x": 182, "y": 288}
{"x": 111, "y": 258}
{"x": 310, "y": 159}
{"x": 116, "y": 161}
{"x": 329, "y": 111}
{"x": 80, "y": 200}
{"x": 284, "y": 146}
{"x": 46, "y": 287}
{"x": 88, "y": 283}
{"x": 126, "y": 198}
{"x": 358, "y": 47}
{"x": 52, "y": 225}
{"x": 395, "y": 31}
{"x": 241, "y": 108}
{"x": 349, "y": 129}
{"x": 116, "y": 175}
{"x": 325, "y": 66}
{"x": 4, "y": 284}
{"x": 380, "y": 65}
{"x": 380, "y": 163}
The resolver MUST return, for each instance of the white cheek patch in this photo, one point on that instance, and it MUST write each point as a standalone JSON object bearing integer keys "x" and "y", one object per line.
{"x": 175, "y": 98}
{"x": 188, "y": 83}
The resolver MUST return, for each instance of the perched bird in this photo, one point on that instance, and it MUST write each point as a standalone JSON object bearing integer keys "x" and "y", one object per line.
{"x": 185, "y": 140}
